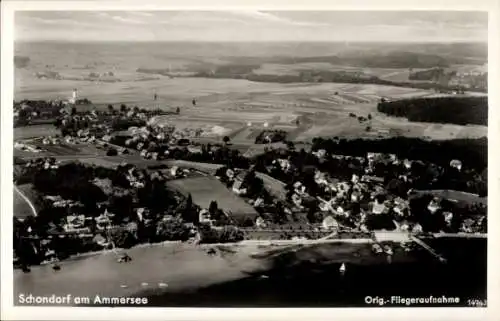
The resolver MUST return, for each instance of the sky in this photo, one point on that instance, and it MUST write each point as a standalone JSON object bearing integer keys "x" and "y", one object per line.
{"x": 406, "y": 26}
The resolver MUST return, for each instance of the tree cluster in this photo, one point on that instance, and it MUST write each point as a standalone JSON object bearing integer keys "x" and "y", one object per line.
{"x": 472, "y": 152}
{"x": 454, "y": 110}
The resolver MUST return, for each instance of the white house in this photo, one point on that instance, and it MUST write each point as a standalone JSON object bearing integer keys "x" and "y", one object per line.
{"x": 260, "y": 222}
{"x": 320, "y": 153}
{"x": 329, "y": 223}
{"x": 456, "y": 164}
{"x": 433, "y": 206}
{"x": 378, "y": 208}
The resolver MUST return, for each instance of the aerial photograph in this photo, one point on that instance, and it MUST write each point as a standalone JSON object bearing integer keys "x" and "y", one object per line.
{"x": 250, "y": 158}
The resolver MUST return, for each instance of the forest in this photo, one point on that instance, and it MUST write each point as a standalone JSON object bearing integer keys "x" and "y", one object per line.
{"x": 451, "y": 110}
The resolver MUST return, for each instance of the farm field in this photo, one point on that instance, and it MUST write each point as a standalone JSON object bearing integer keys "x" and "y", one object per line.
{"x": 61, "y": 149}
{"x": 206, "y": 189}
{"x": 227, "y": 106}
{"x": 26, "y": 132}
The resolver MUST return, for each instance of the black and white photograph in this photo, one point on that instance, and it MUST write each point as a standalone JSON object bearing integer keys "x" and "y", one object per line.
{"x": 249, "y": 158}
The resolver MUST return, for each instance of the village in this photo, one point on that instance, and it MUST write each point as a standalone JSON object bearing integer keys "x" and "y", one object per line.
{"x": 157, "y": 183}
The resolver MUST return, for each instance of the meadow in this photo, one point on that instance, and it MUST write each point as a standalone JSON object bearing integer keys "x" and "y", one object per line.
{"x": 207, "y": 189}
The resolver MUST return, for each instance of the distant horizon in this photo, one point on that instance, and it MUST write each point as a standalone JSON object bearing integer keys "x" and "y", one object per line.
{"x": 253, "y": 26}
{"x": 485, "y": 42}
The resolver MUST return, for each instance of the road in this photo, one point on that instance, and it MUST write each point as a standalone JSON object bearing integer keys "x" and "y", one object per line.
{"x": 27, "y": 200}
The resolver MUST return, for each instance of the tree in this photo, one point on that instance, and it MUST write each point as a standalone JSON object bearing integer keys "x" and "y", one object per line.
{"x": 136, "y": 109}
{"x": 290, "y": 145}
{"x": 189, "y": 211}
{"x": 110, "y": 108}
{"x": 171, "y": 231}
{"x": 226, "y": 139}
{"x": 73, "y": 111}
{"x": 123, "y": 108}
{"x": 397, "y": 187}
{"x": 177, "y": 110}
{"x": 112, "y": 152}
{"x": 370, "y": 116}
{"x": 124, "y": 239}
{"x": 212, "y": 209}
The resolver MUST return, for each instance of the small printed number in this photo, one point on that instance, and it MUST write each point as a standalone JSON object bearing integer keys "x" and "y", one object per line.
{"x": 476, "y": 303}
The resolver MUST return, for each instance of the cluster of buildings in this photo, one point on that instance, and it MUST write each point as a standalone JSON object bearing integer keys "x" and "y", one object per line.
{"x": 475, "y": 79}
{"x": 363, "y": 198}
{"x": 27, "y": 147}
{"x": 42, "y": 163}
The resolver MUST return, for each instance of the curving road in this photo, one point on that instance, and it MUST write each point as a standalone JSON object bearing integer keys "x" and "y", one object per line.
{"x": 26, "y": 199}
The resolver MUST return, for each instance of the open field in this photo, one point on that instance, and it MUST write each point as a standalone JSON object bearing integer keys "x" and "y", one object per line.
{"x": 225, "y": 106}
{"x": 61, "y": 149}
{"x": 207, "y": 189}
{"x": 26, "y": 132}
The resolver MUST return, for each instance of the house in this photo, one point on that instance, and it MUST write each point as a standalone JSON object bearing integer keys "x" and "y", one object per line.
{"x": 238, "y": 183}
{"x": 140, "y": 213}
{"x": 456, "y": 164}
{"x": 325, "y": 207}
{"x": 343, "y": 186}
{"x": 329, "y": 223}
{"x": 448, "y": 217}
{"x": 53, "y": 198}
{"x": 356, "y": 196}
{"x": 378, "y": 208}
{"x": 320, "y": 178}
{"x": 75, "y": 220}
{"x": 340, "y": 211}
{"x": 433, "y": 206}
{"x": 174, "y": 171}
{"x": 297, "y": 200}
{"x": 417, "y": 228}
{"x": 321, "y": 153}
{"x": 102, "y": 221}
{"x": 230, "y": 173}
{"x": 260, "y": 222}
{"x": 204, "y": 216}
{"x": 372, "y": 179}
{"x": 194, "y": 149}
{"x": 258, "y": 202}
{"x": 283, "y": 163}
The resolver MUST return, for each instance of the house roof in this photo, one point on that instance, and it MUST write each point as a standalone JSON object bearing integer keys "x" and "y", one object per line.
{"x": 378, "y": 208}
{"x": 241, "y": 175}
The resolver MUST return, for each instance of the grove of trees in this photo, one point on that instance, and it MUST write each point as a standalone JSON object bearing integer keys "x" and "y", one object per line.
{"x": 454, "y": 110}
